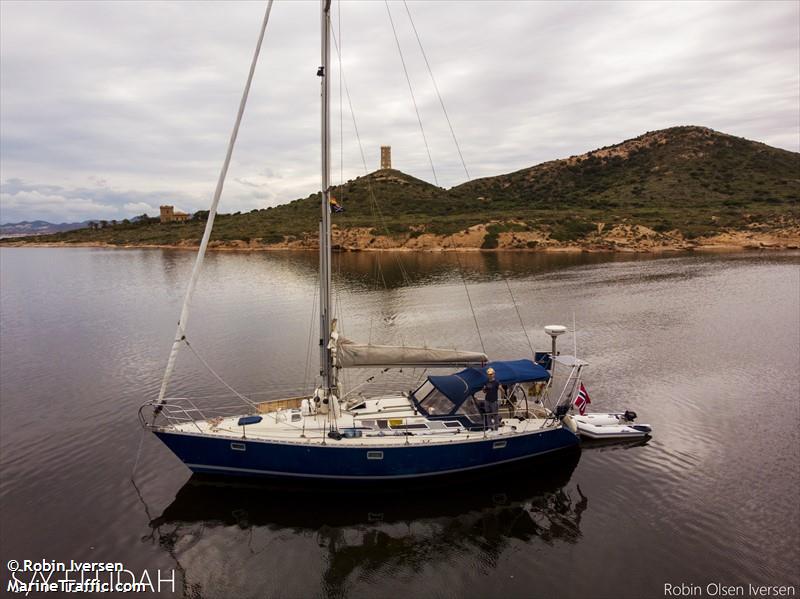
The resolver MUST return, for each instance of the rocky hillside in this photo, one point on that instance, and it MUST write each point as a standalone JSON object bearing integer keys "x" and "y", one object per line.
{"x": 677, "y": 187}
{"x": 687, "y": 178}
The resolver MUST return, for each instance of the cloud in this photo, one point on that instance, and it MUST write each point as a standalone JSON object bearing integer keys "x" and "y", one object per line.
{"x": 125, "y": 103}
{"x": 140, "y": 208}
{"x": 52, "y": 207}
{"x": 20, "y": 200}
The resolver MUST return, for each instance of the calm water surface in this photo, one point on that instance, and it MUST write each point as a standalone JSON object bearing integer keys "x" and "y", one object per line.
{"x": 706, "y": 348}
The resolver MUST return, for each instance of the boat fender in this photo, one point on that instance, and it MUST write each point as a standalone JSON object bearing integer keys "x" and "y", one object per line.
{"x": 570, "y": 423}
{"x": 629, "y": 415}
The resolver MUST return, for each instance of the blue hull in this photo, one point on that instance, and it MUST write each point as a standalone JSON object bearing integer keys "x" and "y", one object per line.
{"x": 336, "y": 461}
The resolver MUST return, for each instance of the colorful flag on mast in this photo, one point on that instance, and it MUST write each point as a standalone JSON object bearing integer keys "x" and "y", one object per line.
{"x": 335, "y": 206}
{"x": 582, "y": 400}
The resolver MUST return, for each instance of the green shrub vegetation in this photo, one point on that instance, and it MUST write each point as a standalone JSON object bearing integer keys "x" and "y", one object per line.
{"x": 490, "y": 241}
{"x": 691, "y": 179}
{"x": 570, "y": 229}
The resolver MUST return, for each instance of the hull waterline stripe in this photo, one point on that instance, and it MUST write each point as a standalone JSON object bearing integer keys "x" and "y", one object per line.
{"x": 397, "y": 476}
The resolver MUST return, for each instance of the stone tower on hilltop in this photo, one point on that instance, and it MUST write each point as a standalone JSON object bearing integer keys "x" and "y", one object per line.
{"x": 386, "y": 157}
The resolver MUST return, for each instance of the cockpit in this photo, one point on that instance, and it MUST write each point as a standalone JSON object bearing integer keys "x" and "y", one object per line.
{"x": 454, "y": 396}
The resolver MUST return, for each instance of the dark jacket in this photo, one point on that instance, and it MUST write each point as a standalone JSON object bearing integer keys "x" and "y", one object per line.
{"x": 490, "y": 389}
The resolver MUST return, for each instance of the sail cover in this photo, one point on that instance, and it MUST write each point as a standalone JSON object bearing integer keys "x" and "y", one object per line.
{"x": 359, "y": 355}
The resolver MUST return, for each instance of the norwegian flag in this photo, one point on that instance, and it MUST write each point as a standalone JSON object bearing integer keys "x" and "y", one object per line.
{"x": 582, "y": 400}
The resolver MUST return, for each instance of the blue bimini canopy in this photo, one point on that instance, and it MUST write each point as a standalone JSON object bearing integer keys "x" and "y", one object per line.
{"x": 460, "y": 386}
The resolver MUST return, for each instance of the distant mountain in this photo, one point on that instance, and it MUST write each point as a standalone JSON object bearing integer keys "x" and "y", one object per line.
{"x": 38, "y": 227}
{"x": 668, "y": 187}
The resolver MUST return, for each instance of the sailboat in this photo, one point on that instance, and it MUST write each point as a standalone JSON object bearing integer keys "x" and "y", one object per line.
{"x": 436, "y": 429}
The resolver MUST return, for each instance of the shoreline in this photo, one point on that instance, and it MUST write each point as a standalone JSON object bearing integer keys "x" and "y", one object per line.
{"x": 566, "y": 249}
{"x": 621, "y": 239}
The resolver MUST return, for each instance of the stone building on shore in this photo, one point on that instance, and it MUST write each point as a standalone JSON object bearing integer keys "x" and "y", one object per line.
{"x": 169, "y": 215}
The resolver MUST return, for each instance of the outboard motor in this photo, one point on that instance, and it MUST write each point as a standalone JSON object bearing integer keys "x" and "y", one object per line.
{"x": 629, "y": 415}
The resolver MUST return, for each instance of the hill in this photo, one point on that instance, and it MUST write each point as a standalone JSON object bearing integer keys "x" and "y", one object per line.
{"x": 676, "y": 187}
{"x": 37, "y": 227}
{"x": 692, "y": 179}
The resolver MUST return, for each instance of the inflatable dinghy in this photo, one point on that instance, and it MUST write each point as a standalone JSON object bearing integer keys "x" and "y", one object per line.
{"x": 611, "y": 426}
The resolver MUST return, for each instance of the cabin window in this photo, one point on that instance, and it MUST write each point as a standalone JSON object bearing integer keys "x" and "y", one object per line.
{"x": 470, "y": 408}
{"x": 437, "y": 403}
{"x": 423, "y": 390}
{"x": 498, "y": 445}
{"x": 238, "y": 447}
{"x": 374, "y": 455}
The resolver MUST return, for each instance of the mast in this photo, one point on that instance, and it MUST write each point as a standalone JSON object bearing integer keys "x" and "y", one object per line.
{"x": 326, "y": 363}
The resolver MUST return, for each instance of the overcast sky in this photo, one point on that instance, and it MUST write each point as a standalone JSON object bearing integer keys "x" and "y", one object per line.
{"x": 109, "y": 109}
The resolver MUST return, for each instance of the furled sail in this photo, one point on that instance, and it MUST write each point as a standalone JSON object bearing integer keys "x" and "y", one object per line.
{"x": 359, "y": 355}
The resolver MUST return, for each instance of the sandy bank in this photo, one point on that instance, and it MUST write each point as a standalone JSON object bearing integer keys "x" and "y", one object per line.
{"x": 617, "y": 238}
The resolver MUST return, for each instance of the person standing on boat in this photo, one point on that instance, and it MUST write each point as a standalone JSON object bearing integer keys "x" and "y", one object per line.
{"x": 490, "y": 390}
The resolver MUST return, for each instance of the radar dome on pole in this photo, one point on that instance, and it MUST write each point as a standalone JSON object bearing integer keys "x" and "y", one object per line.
{"x": 554, "y": 330}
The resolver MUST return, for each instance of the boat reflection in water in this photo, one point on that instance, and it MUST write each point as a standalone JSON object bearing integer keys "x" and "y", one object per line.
{"x": 340, "y": 535}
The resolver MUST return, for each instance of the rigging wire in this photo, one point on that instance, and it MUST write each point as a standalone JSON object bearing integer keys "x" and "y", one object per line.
{"x": 411, "y": 90}
{"x": 138, "y": 454}
{"x": 218, "y": 377}
{"x": 278, "y": 392}
{"x": 341, "y": 109}
{"x": 436, "y": 88}
{"x": 469, "y": 178}
{"x": 368, "y": 380}
{"x": 522, "y": 324}
{"x": 374, "y": 206}
{"x": 424, "y": 138}
{"x": 180, "y": 334}
{"x": 157, "y": 529}
{"x": 338, "y": 306}
{"x": 309, "y": 345}
{"x": 469, "y": 298}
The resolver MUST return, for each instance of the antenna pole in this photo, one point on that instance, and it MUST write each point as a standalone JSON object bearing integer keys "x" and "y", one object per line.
{"x": 554, "y": 330}
{"x": 574, "y": 336}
